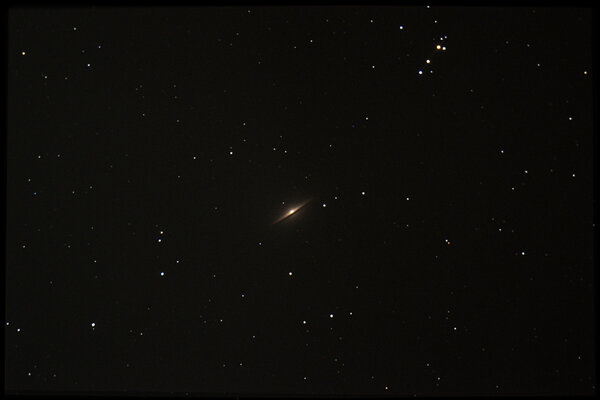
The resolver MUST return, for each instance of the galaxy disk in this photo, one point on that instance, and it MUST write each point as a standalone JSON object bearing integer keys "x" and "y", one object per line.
{"x": 291, "y": 212}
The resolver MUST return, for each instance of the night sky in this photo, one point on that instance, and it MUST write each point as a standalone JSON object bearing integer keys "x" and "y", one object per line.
{"x": 300, "y": 201}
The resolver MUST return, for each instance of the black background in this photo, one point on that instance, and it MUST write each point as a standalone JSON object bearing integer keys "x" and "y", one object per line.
{"x": 424, "y": 273}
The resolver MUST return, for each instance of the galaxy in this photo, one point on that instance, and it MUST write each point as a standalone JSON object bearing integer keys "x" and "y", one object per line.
{"x": 291, "y": 211}
{"x": 239, "y": 201}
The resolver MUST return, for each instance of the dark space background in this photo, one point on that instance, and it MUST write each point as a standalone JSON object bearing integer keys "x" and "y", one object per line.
{"x": 446, "y": 248}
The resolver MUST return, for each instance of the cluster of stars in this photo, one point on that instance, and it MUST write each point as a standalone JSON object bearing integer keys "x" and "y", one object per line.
{"x": 259, "y": 149}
